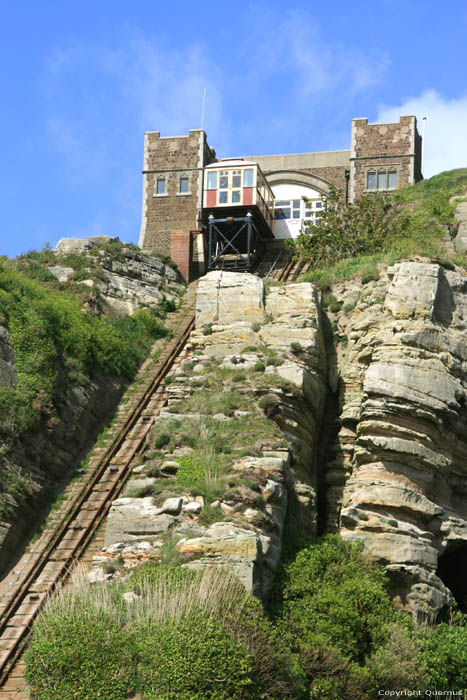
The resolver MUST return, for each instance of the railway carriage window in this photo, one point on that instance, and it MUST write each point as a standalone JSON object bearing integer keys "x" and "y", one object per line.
{"x": 237, "y": 178}
{"x": 248, "y": 177}
{"x": 223, "y": 186}
{"x": 183, "y": 187}
{"x": 371, "y": 181}
{"x": 212, "y": 181}
{"x": 235, "y": 196}
{"x": 160, "y": 185}
{"x": 392, "y": 180}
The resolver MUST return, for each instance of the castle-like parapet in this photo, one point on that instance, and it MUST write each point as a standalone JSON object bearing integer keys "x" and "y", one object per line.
{"x": 384, "y": 157}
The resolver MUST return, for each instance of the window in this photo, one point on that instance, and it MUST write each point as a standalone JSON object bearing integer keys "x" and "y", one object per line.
{"x": 381, "y": 180}
{"x": 371, "y": 181}
{"x": 160, "y": 185}
{"x": 248, "y": 178}
{"x": 392, "y": 180}
{"x": 223, "y": 196}
{"x": 282, "y": 209}
{"x": 235, "y": 196}
{"x": 212, "y": 181}
{"x": 287, "y": 209}
{"x": 183, "y": 186}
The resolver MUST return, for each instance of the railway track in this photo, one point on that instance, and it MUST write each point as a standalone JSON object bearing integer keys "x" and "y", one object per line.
{"x": 62, "y": 548}
{"x": 66, "y": 544}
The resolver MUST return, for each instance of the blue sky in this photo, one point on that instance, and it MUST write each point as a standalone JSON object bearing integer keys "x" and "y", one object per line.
{"x": 81, "y": 81}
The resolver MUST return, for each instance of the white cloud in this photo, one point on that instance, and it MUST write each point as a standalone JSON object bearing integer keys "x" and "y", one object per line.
{"x": 445, "y": 145}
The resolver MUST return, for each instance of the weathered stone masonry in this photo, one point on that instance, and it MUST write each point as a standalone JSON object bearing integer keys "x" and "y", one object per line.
{"x": 177, "y": 163}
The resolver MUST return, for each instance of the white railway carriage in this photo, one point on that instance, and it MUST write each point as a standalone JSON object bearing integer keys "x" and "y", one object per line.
{"x": 235, "y": 184}
{"x": 238, "y": 205}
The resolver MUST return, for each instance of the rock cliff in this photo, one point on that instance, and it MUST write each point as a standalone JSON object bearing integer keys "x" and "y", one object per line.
{"x": 267, "y": 352}
{"x": 397, "y": 477}
{"x": 123, "y": 279}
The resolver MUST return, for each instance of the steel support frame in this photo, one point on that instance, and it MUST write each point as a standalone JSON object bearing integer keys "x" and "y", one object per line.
{"x": 216, "y": 235}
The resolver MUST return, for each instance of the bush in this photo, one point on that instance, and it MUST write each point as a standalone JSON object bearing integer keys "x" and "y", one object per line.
{"x": 296, "y": 348}
{"x": 444, "y": 652}
{"x": 256, "y": 327}
{"x": 190, "y": 635}
{"x": 88, "y": 655}
{"x": 398, "y": 665}
{"x": 161, "y": 440}
{"x": 347, "y": 231}
{"x": 194, "y": 658}
{"x": 333, "y": 590}
{"x": 259, "y": 366}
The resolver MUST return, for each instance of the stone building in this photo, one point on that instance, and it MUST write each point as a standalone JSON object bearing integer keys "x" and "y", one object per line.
{"x": 382, "y": 157}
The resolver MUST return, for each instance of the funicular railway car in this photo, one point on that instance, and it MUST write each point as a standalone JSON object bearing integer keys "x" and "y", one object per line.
{"x": 238, "y": 205}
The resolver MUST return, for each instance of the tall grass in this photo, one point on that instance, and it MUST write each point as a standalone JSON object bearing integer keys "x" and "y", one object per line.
{"x": 167, "y": 596}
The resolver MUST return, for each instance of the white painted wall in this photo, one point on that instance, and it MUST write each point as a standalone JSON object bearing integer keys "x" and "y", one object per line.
{"x": 290, "y": 228}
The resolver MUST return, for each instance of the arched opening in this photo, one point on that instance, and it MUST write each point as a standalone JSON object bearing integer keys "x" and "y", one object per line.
{"x": 452, "y": 570}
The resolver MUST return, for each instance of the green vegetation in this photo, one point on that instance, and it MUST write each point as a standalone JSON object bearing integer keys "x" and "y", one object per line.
{"x": 187, "y": 635}
{"x": 331, "y": 633}
{"x": 350, "y": 242}
{"x": 57, "y": 343}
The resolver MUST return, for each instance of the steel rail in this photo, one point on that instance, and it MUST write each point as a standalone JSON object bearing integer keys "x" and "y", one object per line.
{"x": 70, "y": 520}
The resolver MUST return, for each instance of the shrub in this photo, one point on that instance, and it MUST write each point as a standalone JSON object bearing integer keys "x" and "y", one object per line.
{"x": 296, "y": 348}
{"x": 444, "y": 652}
{"x": 89, "y": 655}
{"x": 347, "y": 231}
{"x": 256, "y": 327}
{"x": 398, "y": 664}
{"x": 161, "y": 440}
{"x": 194, "y": 658}
{"x": 259, "y": 366}
{"x": 333, "y": 590}
{"x": 268, "y": 401}
{"x": 188, "y": 634}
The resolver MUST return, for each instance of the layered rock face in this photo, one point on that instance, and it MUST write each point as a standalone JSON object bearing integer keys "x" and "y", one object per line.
{"x": 125, "y": 281}
{"x": 398, "y": 481}
{"x": 238, "y": 327}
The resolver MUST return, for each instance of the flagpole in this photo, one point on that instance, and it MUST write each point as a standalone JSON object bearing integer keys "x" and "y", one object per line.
{"x": 423, "y": 142}
{"x": 202, "y": 111}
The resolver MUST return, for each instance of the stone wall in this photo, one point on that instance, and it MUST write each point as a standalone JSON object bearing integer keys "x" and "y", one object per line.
{"x": 382, "y": 146}
{"x": 170, "y": 159}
